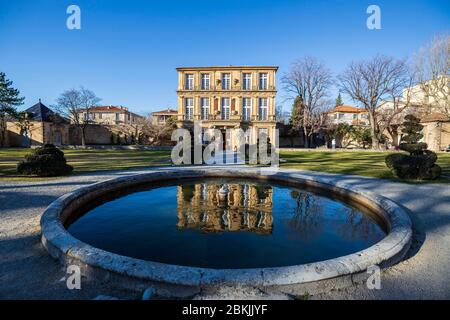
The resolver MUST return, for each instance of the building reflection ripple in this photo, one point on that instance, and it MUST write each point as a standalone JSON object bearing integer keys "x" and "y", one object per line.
{"x": 214, "y": 207}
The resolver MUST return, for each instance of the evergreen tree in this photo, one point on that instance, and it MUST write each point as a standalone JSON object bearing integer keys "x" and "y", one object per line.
{"x": 339, "y": 100}
{"x": 297, "y": 113}
{"x": 9, "y": 99}
{"x": 412, "y": 129}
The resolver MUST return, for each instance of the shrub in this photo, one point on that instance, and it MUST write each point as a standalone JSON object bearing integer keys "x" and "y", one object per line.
{"x": 420, "y": 164}
{"x": 393, "y": 158}
{"x": 46, "y": 161}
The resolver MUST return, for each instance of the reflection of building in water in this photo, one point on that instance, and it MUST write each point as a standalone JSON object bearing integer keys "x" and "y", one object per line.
{"x": 213, "y": 207}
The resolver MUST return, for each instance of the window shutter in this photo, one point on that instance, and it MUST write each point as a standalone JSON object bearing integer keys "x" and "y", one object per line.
{"x": 216, "y": 104}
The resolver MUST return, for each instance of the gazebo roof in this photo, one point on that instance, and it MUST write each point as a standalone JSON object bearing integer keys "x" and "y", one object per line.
{"x": 40, "y": 112}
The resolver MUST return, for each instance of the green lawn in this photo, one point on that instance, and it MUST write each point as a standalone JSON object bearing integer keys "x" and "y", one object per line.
{"x": 91, "y": 160}
{"x": 368, "y": 163}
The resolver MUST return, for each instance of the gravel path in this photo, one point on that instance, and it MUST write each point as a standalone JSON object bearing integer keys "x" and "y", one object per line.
{"x": 28, "y": 272}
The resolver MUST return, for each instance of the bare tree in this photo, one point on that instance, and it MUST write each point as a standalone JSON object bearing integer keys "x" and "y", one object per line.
{"x": 157, "y": 134}
{"x": 391, "y": 115}
{"x": 310, "y": 81}
{"x": 375, "y": 83}
{"x": 133, "y": 129}
{"x": 432, "y": 68}
{"x": 76, "y": 105}
{"x": 25, "y": 124}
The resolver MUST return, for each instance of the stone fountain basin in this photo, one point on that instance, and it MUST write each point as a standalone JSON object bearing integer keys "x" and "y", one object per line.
{"x": 131, "y": 272}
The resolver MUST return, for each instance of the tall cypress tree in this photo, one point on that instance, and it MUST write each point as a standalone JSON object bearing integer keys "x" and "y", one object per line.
{"x": 297, "y": 113}
{"x": 339, "y": 100}
{"x": 9, "y": 100}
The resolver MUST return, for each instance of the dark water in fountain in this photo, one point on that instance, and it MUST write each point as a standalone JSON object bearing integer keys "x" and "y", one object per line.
{"x": 252, "y": 224}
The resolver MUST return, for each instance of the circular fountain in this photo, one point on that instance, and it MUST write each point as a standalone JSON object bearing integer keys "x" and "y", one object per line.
{"x": 155, "y": 227}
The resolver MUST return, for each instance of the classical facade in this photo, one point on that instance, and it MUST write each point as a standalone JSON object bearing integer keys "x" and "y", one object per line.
{"x": 231, "y": 97}
{"x": 110, "y": 115}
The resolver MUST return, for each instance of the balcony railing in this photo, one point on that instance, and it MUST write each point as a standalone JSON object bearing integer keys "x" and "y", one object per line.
{"x": 231, "y": 89}
{"x": 232, "y": 117}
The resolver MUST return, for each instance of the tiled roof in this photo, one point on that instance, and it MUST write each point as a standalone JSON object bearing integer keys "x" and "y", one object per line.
{"x": 347, "y": 109}
{"x": 108, "y": 108}
{"x": 164, "y": 112}
{"x": 227, "y": 67}
{"x": 435, "y": 117}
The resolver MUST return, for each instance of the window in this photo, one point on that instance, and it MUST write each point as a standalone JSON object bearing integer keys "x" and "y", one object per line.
{"x": 205, "y": 81}
{"x": 246, "y": 81}
{"x": 189, "y": 84}
{"x": 204, "y": 102}
{"x": 226, "y": 81}
{"x": 117, "y": 116}
{"x": 100, "y": 115}
{"x": 355, "y": 116}
{"x": 246, "y": 108}
{"x": 189, "y": 108}
{"x": 225, "y": 108}
{"x": 341, "y": 116}
{"x": 263, "y": 81}
{"x": 262, "y": 109}
{"x": 129, "y": 117}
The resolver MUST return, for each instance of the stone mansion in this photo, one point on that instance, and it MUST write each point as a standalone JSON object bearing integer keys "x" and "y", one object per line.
{"x": 229, "y": 97}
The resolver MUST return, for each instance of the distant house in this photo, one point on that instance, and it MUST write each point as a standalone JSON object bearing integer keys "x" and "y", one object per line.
{"x": 110, "y": 115}
{"x": 436, "y": 131}
{"x": 430, "y": 106}
{"x": 161, "y": 117}
{"x": 43, "y": 126}
{"x": 349, "y": 115}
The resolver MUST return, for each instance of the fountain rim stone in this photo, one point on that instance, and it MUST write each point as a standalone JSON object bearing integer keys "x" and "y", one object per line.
{"x": 67, "y": 249}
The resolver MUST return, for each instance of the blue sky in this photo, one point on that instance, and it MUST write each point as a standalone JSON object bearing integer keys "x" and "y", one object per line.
{"x": 127, "y": 50}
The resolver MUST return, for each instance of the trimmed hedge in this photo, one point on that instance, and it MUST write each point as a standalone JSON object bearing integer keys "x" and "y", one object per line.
{"x": 417, "y": 167}
{"x": 420, "y": 164}
{"x": 46, "y": 161}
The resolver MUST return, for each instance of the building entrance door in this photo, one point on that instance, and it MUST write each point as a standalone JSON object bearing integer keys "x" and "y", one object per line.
{"x": 224, "y": 140}
{"x": 57, "y": 138}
